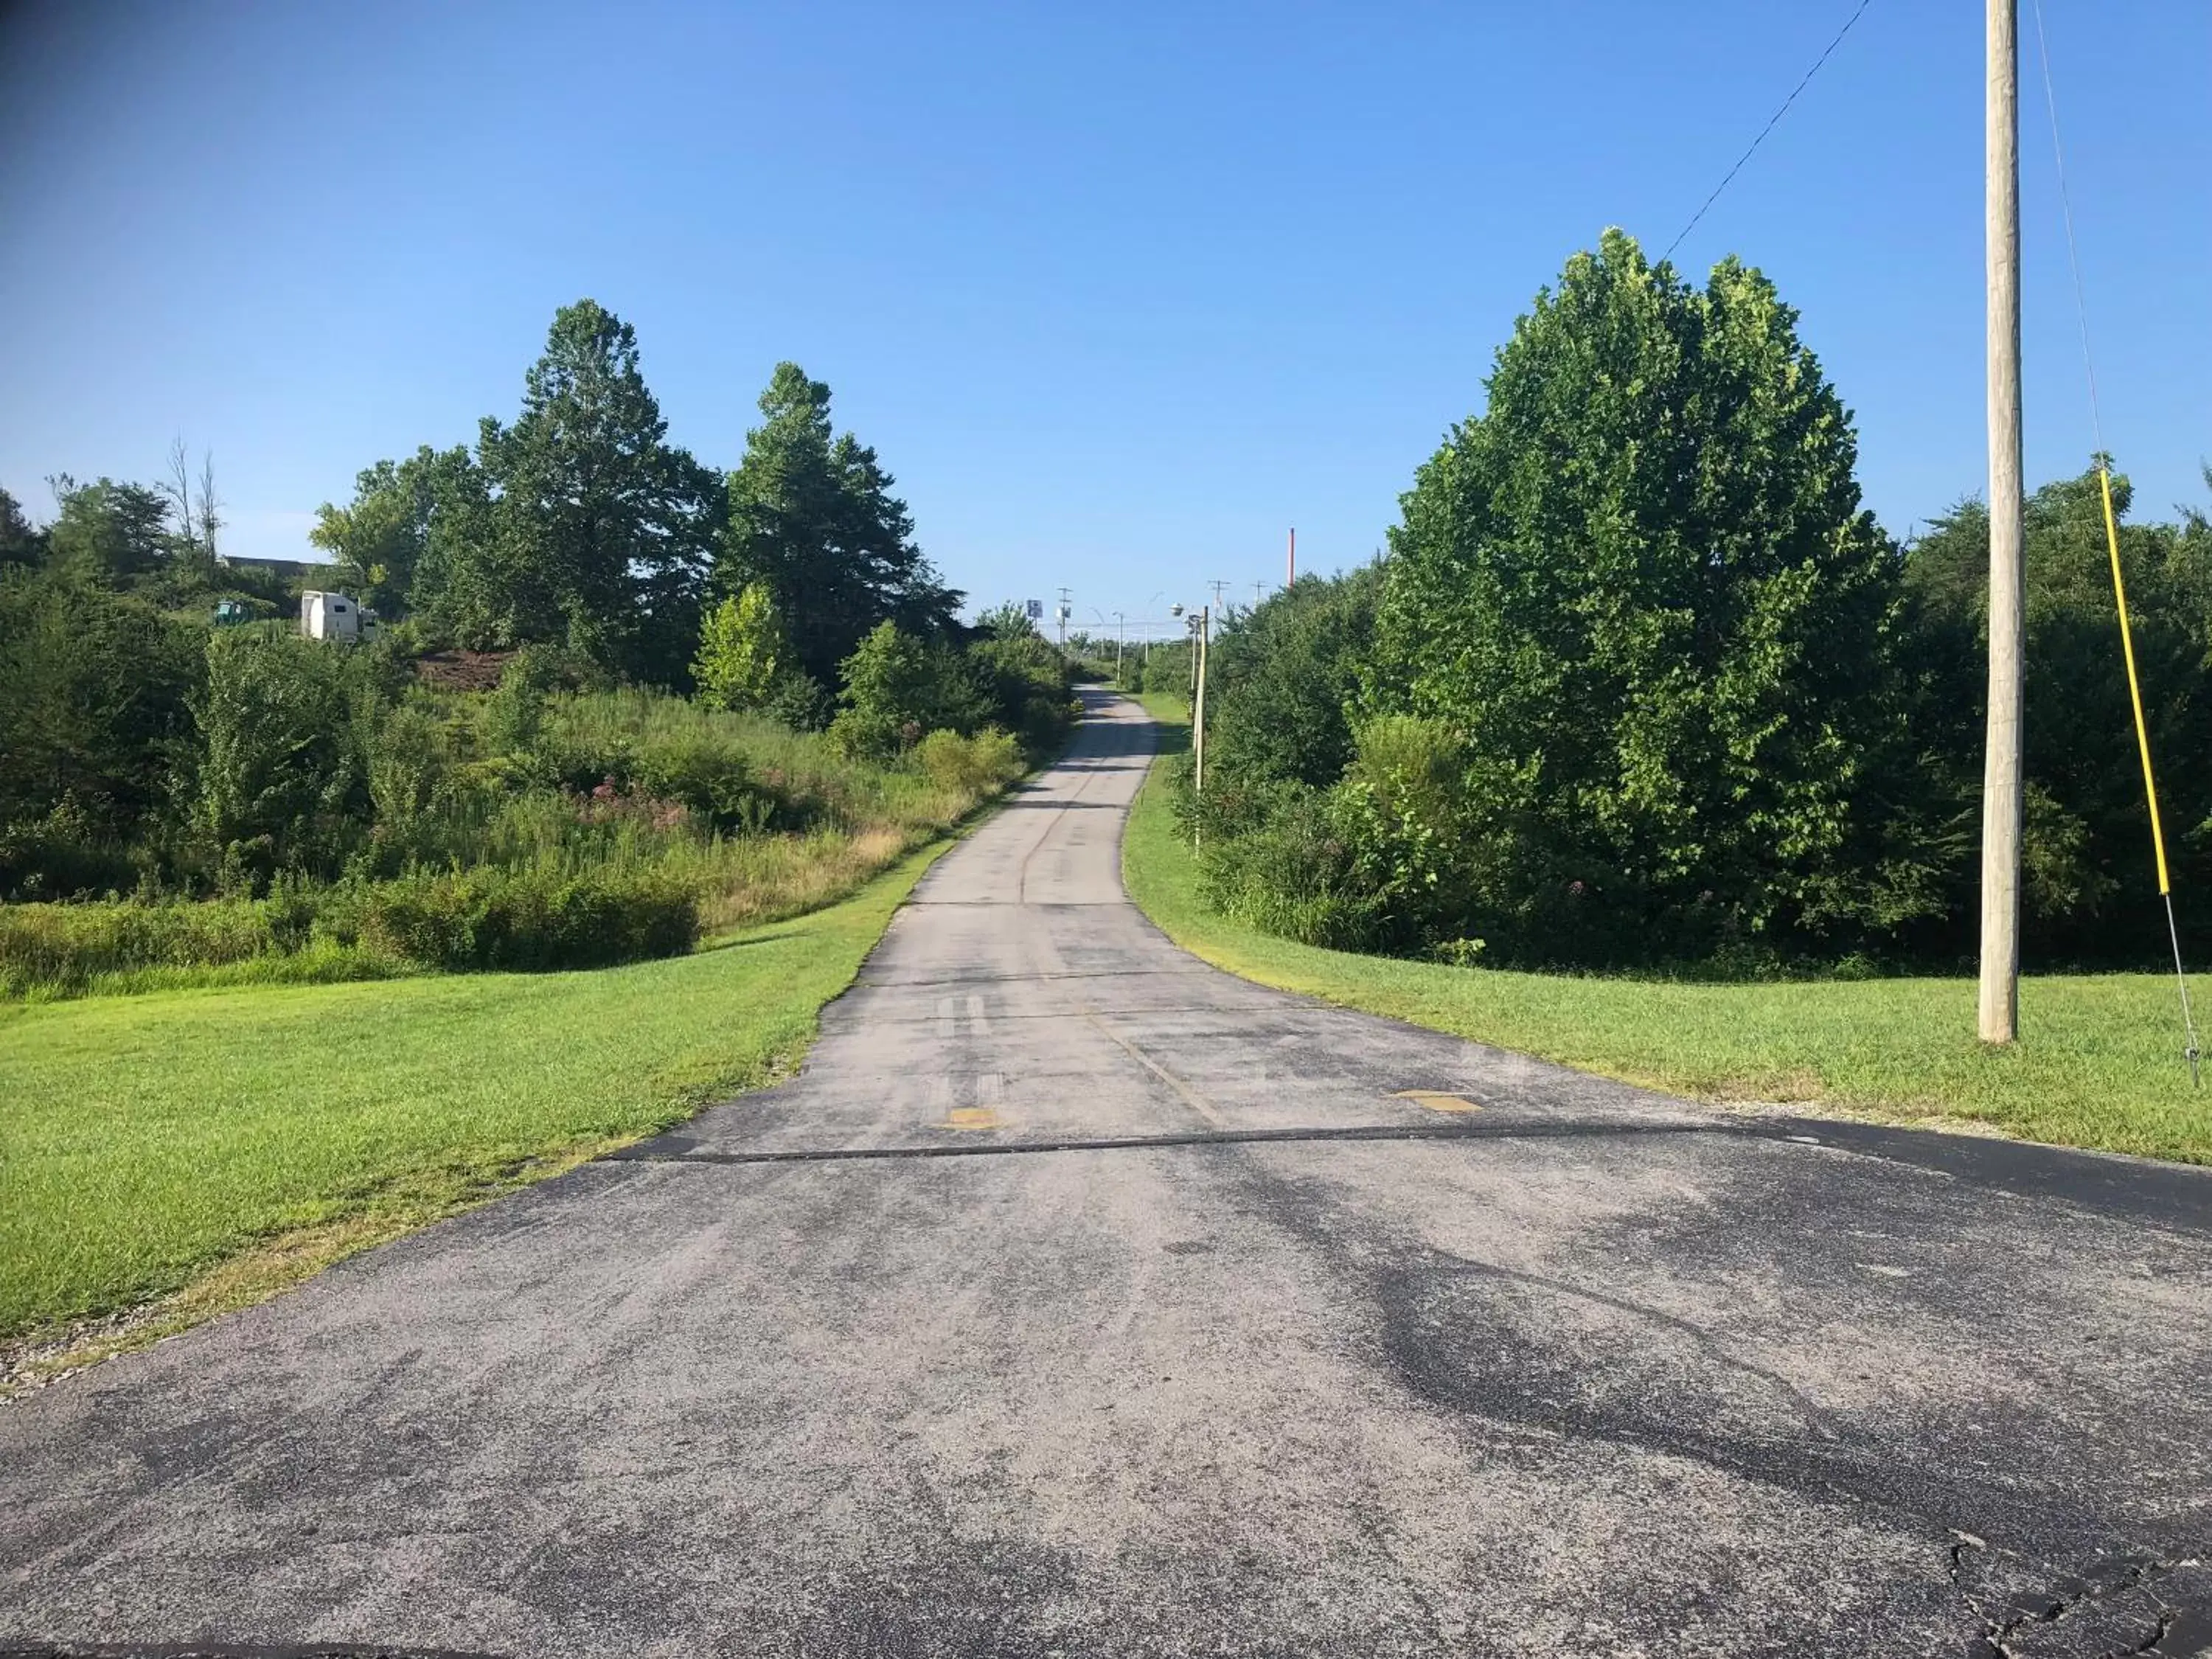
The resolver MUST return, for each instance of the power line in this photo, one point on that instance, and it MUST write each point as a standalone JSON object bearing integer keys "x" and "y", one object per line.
{"x": 2112, "y": 543}
{"x": 2066, "y": 208}
{"x": 1771, "y": 123}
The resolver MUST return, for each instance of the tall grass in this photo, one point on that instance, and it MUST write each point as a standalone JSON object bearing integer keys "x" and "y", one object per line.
{"x": 618, "y": 825}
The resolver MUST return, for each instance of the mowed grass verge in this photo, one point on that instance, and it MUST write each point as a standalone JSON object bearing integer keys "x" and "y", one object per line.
{"x": 219, "y": 1143}
{"x": 2099, "y": 1064}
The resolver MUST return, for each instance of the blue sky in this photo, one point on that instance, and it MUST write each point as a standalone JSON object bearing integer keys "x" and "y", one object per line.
{"x": 1120, "y": 292}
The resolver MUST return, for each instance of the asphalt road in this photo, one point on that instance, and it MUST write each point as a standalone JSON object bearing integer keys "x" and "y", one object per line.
{"x": 1078, "y": 1299}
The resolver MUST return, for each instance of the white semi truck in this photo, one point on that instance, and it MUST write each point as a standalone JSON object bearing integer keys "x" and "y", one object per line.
{"x": 325, "y": 615}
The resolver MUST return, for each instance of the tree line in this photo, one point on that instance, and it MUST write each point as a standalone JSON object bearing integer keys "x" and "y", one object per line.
{"x": 149, "y": 744}
{"x": 578, "y": 523}
{"x": 1640, "y": 683}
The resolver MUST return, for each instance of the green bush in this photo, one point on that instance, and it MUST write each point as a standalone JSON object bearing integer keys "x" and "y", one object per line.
{"x": 95, "y": 730}
{"x": 529, "y": 920}
{"x": 1282, "y": 679}
{"x": 288, "y": 726}
{"x": 887, "y": 701}
{"x": 978, "y": 766}
{"x": 64, "y": 855}
{"x": 1024, "y": 687}
{"x": 710, "y": 778}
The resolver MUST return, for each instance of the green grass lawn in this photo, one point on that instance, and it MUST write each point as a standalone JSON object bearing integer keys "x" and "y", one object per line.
{"x": 2098, "y": 1063}
{"x": 146, "y": 1139}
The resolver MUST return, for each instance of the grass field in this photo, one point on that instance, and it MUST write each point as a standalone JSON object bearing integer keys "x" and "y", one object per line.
{"x": 2098, "y": 1063}
{"x": 222, "y": 1142}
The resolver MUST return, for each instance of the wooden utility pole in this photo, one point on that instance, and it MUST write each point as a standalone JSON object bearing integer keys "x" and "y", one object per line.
{"x": 2001, "y": 778}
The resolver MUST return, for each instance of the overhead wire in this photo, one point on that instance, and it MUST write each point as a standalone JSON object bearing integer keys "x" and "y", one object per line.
{"x": 1771, "y": 122}
{"x": 2112, "y": 546}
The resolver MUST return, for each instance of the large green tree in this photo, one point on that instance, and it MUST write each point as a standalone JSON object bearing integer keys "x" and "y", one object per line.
{"x": 812, "y": 516}
{"x": 1641, "y": 591}
{"x": 430, "y": 510}
{"x": 2089, "y": 882}
{"x": 591, "y": 529}
{"x": 21, "y": 541}
{"x": 118, "y": 534}
{"x": 1282, "y": 677}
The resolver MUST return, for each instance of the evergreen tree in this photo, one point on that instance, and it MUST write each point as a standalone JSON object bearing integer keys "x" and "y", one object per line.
{"x": 594, "y": 533}
{"x": 812, "y": 516}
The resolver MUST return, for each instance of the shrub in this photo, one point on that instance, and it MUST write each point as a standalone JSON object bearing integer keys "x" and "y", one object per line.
{"x": 976, "y": 767}
{"x": 288, "y": 725}
{"x": 62, "y": 854}
{"x": 1026, "y": 686}
{"x": 801, "y": 703}
{"x": 710, "y": 778}
{"x": 95, "y": 727}
{"x": 530, "y": 920}
{"x": 886, "y": 700}
{"x": 742, "y": 650}
{"x": 1291, "y": 873}
{"x": 1281, "y": 678}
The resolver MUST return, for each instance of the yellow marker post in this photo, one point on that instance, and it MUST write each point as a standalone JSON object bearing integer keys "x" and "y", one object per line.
{"x": 2142, "y": 747}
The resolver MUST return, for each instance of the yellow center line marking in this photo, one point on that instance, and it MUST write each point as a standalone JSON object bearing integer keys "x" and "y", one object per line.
{"x": 970, "y": 1117}
{"x": 1436, "y": 1101}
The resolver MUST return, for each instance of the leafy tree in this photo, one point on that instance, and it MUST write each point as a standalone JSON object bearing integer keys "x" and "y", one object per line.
{"x": 430, "y": 507}
{"x": 288, "y": 726}
{"x": 1282, "y": 676}
{"x": 117, "y": 534}
{"x": 22, "y": 542}
{"x": 1641, "y": 589}
{"x": 1010, "y": 621}
{"x": 811, "y": 516}
{"x": 889, "y": 695}
{"x": 1021, "y": 684}
{"x": 456, "y": 586}
{"x": 741, "y": 650}
{"x": 2088, "y": 887}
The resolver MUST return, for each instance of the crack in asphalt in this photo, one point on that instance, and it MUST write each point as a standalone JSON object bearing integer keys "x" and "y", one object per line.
{"x": 2002, "y": 1635}
{"x": 1196, "y": 970}
{"x": 1416, "y": 1292}
{"x": 673, "y": 1150}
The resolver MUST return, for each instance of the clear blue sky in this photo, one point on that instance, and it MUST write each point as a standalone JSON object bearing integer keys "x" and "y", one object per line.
{"x": 1120, "y": 292}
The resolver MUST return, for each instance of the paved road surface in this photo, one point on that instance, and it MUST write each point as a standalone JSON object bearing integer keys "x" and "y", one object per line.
{"x": 899, "y": 1359}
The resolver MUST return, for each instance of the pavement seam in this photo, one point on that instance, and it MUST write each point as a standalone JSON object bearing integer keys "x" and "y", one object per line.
{"x": 644, "y": 1153}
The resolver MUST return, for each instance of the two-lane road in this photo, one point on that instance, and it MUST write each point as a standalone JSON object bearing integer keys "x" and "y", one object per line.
{"x": 1079, "y": 1299}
